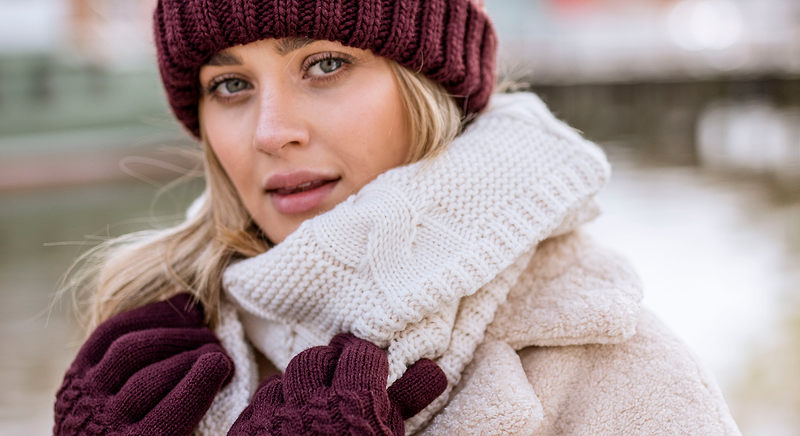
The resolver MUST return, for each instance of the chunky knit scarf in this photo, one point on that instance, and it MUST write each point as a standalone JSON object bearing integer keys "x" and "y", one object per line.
{"x": 420, "y": 259}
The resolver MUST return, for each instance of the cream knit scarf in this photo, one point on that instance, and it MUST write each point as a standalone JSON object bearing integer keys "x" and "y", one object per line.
{"x": 419, "y": 260}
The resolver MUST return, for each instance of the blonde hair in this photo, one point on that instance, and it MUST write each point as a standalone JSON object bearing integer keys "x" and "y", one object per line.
{"x": 148, "y": 266}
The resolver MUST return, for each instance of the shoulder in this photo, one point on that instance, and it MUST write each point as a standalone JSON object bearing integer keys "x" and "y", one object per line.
{"x": 649, "y": 385}
{"x": 597, "y": 361}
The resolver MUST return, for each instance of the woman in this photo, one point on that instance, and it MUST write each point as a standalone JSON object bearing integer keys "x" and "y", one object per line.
{"x": 343, "y": 197}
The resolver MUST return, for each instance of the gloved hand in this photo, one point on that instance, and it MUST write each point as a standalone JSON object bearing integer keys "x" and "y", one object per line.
{"x": 151, "y": 371}
{"x": 340, "y": 389}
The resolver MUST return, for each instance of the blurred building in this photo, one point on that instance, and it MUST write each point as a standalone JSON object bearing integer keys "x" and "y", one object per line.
{"x": 573, "y": 41}
{"x": 116, "y": 33}
{"x": 79, "y": 91}
{"x": 72, "y": 64}
{"x": 113, "y": 33}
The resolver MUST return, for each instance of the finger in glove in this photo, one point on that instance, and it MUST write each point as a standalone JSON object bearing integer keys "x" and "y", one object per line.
{"x": 148, "y": 387}
{"x": 177, "y": 312}
{"x": 422, "y": 383}
{"x": 136, "y": 350}
{"x": 307, "y": 373}
{"x": 192, "y": 397}
{"x": 361, "y": 365}
{"x": 261, "y": 414}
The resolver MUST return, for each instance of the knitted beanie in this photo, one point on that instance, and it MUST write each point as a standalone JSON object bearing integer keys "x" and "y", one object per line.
{"x": 450, "y": 41}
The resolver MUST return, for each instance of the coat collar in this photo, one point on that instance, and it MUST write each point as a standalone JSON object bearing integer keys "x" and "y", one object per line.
{"x": 573, "y": 292}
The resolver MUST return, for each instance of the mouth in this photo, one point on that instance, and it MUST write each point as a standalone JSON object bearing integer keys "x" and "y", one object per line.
{"x": 303, "y": 187}
{"x": 297, "y": 195}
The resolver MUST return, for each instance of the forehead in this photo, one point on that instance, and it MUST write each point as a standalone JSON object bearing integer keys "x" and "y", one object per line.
{"x": 282, "y": 47}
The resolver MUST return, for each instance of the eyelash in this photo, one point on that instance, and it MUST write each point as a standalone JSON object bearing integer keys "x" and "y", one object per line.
{"x": 310, "y": 62}
{"x": 346, "y": 61}
{"x": 216, "y": 82}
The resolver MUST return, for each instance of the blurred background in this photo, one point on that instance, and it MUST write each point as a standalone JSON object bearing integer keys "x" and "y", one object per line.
{"x": 696, "y": 102}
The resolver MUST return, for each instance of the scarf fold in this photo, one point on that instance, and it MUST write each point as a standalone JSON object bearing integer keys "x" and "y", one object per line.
{"x": 420, "y": 258}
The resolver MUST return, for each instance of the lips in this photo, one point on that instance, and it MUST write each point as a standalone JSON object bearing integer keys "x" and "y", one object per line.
{"x": 308, "y": 186}
{"x": 299, "y": 191}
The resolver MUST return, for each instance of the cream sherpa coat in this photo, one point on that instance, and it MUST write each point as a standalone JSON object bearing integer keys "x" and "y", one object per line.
{"x": 572, "y": 353}
{"x": 477, "y": 261}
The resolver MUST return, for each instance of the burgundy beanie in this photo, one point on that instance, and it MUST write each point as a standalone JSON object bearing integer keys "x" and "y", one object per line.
{"x": 450, "y": 41}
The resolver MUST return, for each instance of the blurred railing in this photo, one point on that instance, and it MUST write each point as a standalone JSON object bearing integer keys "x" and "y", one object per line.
{"x": 746, "y": 126}
{"x": 43, "y": 92}
{"x": 64, "y": 123}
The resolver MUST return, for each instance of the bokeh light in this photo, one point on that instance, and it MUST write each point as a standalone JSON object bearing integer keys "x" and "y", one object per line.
{"x": 706, "y": 24}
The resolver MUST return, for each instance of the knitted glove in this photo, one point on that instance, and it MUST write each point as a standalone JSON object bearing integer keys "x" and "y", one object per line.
{"x": 151, "y": 371}
{"x": 340, "y": 389}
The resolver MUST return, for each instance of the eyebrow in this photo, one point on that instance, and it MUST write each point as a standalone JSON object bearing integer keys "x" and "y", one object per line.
{"x": 290, "y": 44}
{"x": 222, "y": 59}
{"x": 283, "y": 47}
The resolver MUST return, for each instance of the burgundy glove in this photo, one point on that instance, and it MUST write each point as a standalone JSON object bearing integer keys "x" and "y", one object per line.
{"x": 340, "y": 389}
{"x": 151, "y": 371}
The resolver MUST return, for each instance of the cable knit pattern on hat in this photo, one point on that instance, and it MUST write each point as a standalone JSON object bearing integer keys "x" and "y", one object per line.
{"x": 419, "y": 260}
{"x": 450, "y": 41}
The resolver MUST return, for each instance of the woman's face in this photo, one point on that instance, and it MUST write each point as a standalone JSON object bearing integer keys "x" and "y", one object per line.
{"x": 299, "y": 125}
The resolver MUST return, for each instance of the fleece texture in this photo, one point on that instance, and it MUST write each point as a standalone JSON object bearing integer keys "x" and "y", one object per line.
{"x": 649, "y": 385}
{"x": 595, "y": 362}
{"x": 569, "y": 281}
{"x": 493, "y": 398}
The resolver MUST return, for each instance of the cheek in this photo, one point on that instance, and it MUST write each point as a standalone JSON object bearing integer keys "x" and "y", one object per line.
{"x": 227, "y": 137}
{"x": 370, "y": 128}
{"x": 230, "y": 159}
{"x": 225, "y": 129}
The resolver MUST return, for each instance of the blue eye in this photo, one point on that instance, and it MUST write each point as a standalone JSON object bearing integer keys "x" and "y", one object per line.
{"x": 330, "y": 65}
{"x": 232, "y": 86}
{"x": 325, "y": 66}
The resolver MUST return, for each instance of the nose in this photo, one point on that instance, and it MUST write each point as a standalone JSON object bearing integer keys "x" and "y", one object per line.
{"x": 280, "y": 125}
